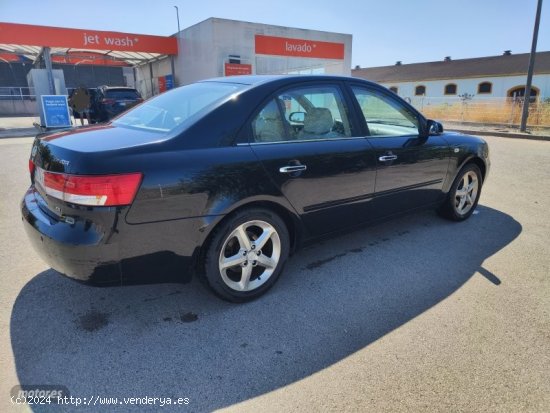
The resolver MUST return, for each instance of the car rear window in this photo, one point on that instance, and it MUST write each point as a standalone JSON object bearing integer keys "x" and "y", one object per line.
{"x": 170, "y": 110}
{"x": 122, "y": 94}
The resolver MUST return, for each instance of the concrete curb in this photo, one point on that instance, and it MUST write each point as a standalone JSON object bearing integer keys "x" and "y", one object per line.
{"x": 501, "y": 134}
{"x": 18, "y": 133}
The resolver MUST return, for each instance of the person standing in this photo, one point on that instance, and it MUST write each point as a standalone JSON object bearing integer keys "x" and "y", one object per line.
{"x": 80, "y": 102}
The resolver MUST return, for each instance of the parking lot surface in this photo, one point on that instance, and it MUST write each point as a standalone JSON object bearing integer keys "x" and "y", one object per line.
{"x": 416, "y": 314}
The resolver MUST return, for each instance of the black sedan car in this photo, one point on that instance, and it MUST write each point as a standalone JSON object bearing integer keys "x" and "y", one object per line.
{"x": 225, "y": 178}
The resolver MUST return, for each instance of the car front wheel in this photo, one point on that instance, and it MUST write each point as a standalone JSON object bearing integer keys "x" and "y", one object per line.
{"x": 464, "y": 194}
{"x": 247, "y": 255}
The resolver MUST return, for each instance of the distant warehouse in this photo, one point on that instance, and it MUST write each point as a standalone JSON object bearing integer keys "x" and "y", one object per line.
{"x": 488, "y": 77}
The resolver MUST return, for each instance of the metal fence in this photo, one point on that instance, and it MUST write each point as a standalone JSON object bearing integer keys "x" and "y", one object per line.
{"x": 501, "y": 111}
{"x": 17, "y": 101}
{"x": 22, "y": 93}
{"x": 16, "y": 93}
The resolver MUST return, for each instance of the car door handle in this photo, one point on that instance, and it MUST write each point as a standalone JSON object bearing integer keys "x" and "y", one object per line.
{"x": 387, "y": 158}
{"x": 292, "y": 168}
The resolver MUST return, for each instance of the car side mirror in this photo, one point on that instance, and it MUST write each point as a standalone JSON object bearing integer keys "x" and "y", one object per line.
{"x": 297, "y": 117}
{"x": 434, "y": 128}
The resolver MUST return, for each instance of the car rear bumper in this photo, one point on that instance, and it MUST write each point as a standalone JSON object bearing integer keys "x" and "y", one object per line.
{"x": 158, "y": 252}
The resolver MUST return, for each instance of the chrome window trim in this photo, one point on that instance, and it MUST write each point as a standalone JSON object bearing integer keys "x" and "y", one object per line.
{"x": 346, "y": 138}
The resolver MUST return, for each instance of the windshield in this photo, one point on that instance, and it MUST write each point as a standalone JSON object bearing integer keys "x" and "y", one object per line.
{"x": 166, "y": 112}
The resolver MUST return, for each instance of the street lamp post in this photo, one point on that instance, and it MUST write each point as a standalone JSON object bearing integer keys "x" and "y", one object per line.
{"x": 178, "y": 17}
{"x": 527, "y": 94}
{"x": 172, "y": 62}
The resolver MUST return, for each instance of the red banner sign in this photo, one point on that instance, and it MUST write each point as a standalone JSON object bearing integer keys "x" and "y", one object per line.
{"x": 87, "y": 58}
{"x": 10, "y": 57}
{"x": 162, "y": 84}
{"x": 283, "y": 46}
{"x": 236, "y": 69}
{"x": 25, "y": 34}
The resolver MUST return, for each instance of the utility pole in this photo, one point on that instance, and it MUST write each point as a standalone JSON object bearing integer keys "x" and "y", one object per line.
{"x": 178, "y": 17}
{"x": 527, "y": 94}
{"x": 172, "y": 62}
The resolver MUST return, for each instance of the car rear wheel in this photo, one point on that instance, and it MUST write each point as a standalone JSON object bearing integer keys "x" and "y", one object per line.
{"x": 247, "y": 255}
{"x": 464, "y": 194}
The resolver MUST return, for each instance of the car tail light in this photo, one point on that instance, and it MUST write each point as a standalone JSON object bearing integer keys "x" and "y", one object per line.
{"x": 108, "y": 101}
{"x": 31, "y": 166}
{"x": 92, "y": 190}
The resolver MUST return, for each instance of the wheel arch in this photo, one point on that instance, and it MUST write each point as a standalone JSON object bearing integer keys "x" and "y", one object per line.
{"x": 476, "y": 160}
{"x": 473, "y": 159}
{"x": 447, "y": 209}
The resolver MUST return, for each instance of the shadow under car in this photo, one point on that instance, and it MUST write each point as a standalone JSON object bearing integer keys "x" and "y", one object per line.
{"x": 173, "y": 340}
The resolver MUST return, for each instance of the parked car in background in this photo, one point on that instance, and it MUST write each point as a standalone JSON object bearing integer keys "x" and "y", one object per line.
{"x": 111, "y": 101}
{"x": 106, "y": 102}
{"x": 227, "y": 177}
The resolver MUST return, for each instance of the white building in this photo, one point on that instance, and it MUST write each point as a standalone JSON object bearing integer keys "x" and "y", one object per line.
{"x": 485, "y": 77}
{"x": 220, "y": 47}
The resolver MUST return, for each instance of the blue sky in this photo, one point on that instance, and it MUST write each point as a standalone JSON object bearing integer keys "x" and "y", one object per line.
{"x": 383, "y": 31}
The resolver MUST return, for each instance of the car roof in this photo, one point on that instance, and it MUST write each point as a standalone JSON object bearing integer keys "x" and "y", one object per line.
{"x": 254, "y": 80}
{"x": 116, "y": 87}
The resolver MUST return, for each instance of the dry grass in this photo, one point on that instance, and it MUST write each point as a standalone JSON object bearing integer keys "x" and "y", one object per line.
{"x": 505, "y": 112}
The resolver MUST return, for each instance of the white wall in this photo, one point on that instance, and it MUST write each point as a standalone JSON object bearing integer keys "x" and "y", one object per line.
{"x": 18, "y": 107}
{"x": 501, "y": 86}
{"x": 196, "y": 58}
{"x": 128, "y": 73}
{"x": 146, "y": 85}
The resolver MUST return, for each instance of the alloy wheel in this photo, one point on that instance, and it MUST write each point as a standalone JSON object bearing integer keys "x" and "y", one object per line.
{"x": 249, "y": 255}
{"x": 466, "y": 193}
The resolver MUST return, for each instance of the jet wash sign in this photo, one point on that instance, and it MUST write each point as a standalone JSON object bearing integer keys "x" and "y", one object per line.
{"x": 284, "y": 46}
{"x": 30, "y": 35}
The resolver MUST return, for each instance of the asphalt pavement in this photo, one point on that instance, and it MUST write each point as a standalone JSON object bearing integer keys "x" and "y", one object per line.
{"x": 416, "y": 314}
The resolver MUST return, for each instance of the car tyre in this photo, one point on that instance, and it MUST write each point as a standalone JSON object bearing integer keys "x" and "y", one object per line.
{"x": 464, "y": 194}
{"x": 246, "y": 255}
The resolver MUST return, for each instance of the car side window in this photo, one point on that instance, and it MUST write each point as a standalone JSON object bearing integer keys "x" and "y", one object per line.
{"x": 307, "y": 113}
{"x": 385, "y": 116}
{"x": 268, "y": 125}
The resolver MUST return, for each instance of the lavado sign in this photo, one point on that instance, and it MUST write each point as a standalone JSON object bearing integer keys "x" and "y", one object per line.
{"x": 298, "y": 48}
{"x": 26, "y": 34}
{"x": 283, "y": 46}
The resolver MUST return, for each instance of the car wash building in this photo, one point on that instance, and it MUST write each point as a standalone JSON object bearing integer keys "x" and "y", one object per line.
{"x": 219, "y": 47}
{"x": 38, "y": 61}
{"x": 152, "y": 64}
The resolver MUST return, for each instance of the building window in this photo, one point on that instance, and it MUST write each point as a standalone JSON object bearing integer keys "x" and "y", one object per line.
{"x": 450, "y": 89}
{"x": 519, "y": 92}
{"x": 485, "y": 87}
{"x": 420, "y": 90}
{"x": 394, "y": 89}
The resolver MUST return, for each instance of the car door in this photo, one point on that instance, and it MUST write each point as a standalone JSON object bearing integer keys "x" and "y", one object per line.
{"x": 311, "y": 149}
{"x": 411, "y": 167}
